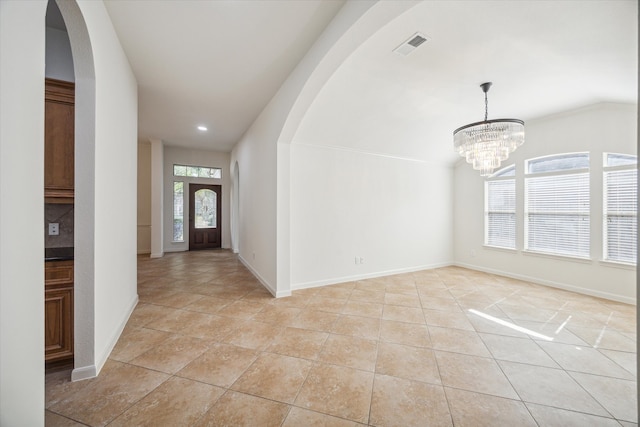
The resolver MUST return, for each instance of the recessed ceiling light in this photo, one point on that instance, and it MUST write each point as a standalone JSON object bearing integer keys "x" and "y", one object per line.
{"x": 202, "y": 128}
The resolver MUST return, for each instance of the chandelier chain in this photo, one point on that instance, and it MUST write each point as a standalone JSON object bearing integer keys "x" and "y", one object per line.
{"x": 486, "y": 107}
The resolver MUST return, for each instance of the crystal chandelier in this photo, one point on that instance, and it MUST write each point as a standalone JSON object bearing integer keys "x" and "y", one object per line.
{"x": 488, "y": 143}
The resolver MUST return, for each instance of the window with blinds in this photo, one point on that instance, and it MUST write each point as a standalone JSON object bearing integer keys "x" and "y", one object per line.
{"x": 500, "y": 209}
{"x": 620, "y": 208}
{"x": 557, "y": 205}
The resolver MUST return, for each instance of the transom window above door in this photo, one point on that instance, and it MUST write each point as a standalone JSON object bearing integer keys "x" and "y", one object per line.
{"x": 197, "y": 171}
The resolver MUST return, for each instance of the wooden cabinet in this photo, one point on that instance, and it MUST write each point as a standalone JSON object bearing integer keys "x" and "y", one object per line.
{"x": 58, "y": 311}
{"x": 59, "y": 145}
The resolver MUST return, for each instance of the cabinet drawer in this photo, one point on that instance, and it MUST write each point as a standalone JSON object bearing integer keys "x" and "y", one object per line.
{"x": 58, "y": 272}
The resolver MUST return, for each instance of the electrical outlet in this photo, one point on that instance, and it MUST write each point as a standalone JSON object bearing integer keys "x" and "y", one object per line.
{"x": 361, "y": 260}
{"x": 54, "y": 229}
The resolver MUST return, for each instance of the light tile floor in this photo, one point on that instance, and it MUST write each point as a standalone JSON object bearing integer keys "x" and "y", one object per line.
{"x": 208, "y": 346}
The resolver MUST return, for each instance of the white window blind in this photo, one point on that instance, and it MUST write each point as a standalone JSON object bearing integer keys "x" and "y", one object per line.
{"x": 557, "y": 214}
{"x": 500, "y": 213}
{"x": 620, "y": 213}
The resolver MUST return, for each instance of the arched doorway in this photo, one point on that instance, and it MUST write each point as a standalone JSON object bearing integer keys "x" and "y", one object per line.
{"x": 85, "y": 101}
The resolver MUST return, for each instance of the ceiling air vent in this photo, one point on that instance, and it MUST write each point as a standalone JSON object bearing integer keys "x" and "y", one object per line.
{"x": 411, "y": 44}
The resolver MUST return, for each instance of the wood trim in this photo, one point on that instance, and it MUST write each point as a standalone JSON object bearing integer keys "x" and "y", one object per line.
{"x": 59, "y": 200}
{"x": 59, "y": 196}
{"x": 59, "y": 91}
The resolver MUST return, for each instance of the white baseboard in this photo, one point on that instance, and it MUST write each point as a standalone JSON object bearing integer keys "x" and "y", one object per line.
{"x": 280, "y": 294}
{"x": 84, "y": 373}
{"x": 261, "y": 279}
{"x": 157, "y": 255}
{"x": 102, "y": 359}
{"x": 552, "y": 284}
{"x": 343, "y": 279}
{"x": 92, "y": 371}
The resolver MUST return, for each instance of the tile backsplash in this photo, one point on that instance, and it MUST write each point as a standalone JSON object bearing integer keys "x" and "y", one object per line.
{"x": 63, "y": 215}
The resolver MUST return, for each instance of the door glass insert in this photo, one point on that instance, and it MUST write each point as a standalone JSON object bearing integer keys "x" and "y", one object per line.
{"x": 205, "y": 209}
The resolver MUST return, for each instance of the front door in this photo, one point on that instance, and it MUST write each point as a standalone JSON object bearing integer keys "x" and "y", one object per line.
{"x": 204, "y": 216}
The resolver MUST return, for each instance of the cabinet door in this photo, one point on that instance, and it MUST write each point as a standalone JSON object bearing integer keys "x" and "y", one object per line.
{"x": 58, "y": 324}
{"x": 59, "y": 145}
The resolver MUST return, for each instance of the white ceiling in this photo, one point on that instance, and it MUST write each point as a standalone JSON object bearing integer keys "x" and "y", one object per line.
{"x": 543, "y": 57}
{"x": 218, "y": 63}
{"x": 212, "y": 63}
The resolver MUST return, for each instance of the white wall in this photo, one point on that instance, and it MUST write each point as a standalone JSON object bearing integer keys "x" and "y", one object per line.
{"x": 182, "y": 156}
{"x": 255, "y": 155}
{"x": 263, "y": 153}
{"x": 157, "y": 198}
{"x": 59, "y": 62}
{"x": 598, "y": 128}
{"x": 106, "y": 120}
{"x": 346, "y": 202}
{"x": 22, "y": 54}
{"x": 114, "y": 197}
{"x": 144, "y": 198}
{"x": 394, "y": 213}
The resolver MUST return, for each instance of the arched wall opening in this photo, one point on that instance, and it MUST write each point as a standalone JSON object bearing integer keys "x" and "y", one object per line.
{"x": 264, "y": 222}
{"x": 106, "y": 137}
{"x": 84, "y": 210}
{"x": 22, "y": 74}
{"x": 354, "y": 25}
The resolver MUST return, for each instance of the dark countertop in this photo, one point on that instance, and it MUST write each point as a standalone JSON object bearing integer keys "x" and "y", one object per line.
{"x": 58, "y": 254}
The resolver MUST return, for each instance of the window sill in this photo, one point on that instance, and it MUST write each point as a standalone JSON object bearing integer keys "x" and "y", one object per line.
{"x": 500, "y": 249}
{"x": 617, "y": 264}
{"x": 558, "y": 257}
{"x": 177, "y": 241}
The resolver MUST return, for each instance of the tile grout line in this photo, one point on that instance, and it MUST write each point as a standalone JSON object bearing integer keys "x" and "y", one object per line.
{"x": 315, "y": 361}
